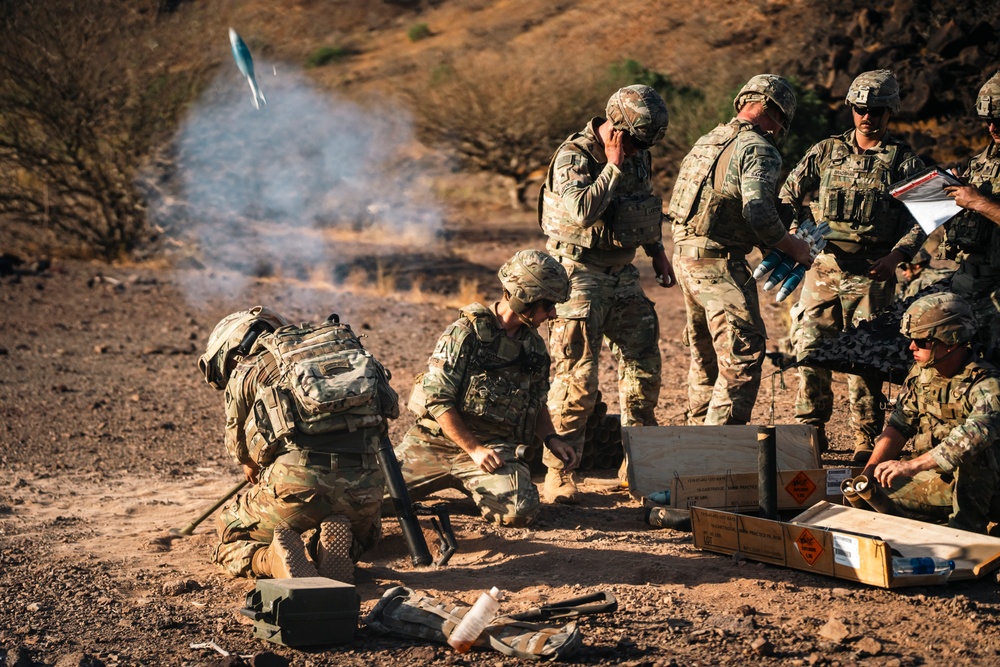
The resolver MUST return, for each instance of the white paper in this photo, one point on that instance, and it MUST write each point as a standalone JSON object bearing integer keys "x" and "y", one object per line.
{"x": 834, "y": 477}
{"x": 846, "y": 551}
{"x": 924, "y": 196}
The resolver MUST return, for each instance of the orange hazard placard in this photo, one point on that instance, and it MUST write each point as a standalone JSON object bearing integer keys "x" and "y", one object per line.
{"x": 809, "y": 547}
{"x": 800, "y": 488}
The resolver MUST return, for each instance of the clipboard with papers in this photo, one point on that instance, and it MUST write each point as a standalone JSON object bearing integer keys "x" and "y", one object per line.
{"x": 924, "y": 197}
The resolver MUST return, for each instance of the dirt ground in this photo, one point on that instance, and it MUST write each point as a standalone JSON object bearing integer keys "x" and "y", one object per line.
{"x": 110, "y": 438}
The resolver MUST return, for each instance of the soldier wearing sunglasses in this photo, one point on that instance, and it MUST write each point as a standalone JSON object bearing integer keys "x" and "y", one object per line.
{"x": 972, "y": 236}
{"x": 848, "y": 177}
{"x": 949, "y": 409}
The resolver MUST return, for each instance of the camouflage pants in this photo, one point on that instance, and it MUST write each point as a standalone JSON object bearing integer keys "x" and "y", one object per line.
{"x": 430, "y": 462}
{"x": 301, "y": 496}
{"x": 831, "y": 300}
{"x": 983, "y": 294}
{"x": 968, "y": 499}
{"x": 727, "y": 338}
{"x": 602, "y": 307}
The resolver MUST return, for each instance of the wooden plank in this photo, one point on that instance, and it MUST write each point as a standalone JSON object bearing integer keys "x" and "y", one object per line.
{"x": 658, "y": 454}
{"x": 738, "y": 491}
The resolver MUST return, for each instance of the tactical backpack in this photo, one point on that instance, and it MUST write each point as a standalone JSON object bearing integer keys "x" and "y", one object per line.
{"x": 403, "y": 612}
{"x": 328, "y": 384}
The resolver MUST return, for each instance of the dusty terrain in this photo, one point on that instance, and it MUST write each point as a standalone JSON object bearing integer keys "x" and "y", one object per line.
{"x": 110, "y": 438}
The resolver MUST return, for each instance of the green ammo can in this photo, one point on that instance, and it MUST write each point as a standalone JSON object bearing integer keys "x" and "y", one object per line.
{"x": 306, "y": 611}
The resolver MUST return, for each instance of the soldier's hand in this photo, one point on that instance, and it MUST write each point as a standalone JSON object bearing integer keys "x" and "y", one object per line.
{"x": 887, "y": 471}
{"x": 252, "y": 473}
{"x": 563, "y": 452}
{"x": 799, "y": 250}
{"x": 966, "y": 196}
{"x": 614, "y": 148}
{"x": 664, "y": 270}
{"x": 487, "y": 459}
{"x": 884, "y": 268}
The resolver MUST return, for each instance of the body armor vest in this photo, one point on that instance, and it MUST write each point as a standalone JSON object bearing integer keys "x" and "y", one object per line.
{"x": 854, "y": 197}
{"x": 969, "y": 232}
{"x": 504, "y": 384}
{"x": 632, "y": 219}
{"x": 698, "y": 201}
{"x": 330, "y": 391}
{"x": 943, "y": 404}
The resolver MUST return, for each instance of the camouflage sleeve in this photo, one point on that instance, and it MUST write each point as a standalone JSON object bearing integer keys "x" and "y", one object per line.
{"x": 585, "y": 198}
{"x": 240, "y": 394}
{"x": 905, "y": 418}
{"x": 445, "y": 376}
{"x": 912, "y": 235}
{"x": 981, "y": 428}
{"x": 756, "y": 172}
{"x": 802, "y": 181}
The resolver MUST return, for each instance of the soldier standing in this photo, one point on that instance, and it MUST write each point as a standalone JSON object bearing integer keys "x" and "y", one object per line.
{"x": 950, "y": 408}
{"x": 483, "y": 395}
{"x": 870, "y": 234}
{"x": 597, "y": 209}
{"x": 972, "y": 236}
{"x": 724, "y": 203}
{"x": 309, "y": 468}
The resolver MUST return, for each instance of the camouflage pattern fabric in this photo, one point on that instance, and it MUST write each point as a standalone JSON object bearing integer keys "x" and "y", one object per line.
{"x": 727, "y": 339}
{"x": 724, "y": 329}
{"x": 606, "y": 300}
{"x": 975, "y": 241}
{"x": 299, "y": 488}
{"x": 610, "y": 307}
{"x": 929, "y": 275}
{"x": 832, "y": 299}
{"x": 836, "y": 292}
{"x": 431, "y": 462}
{"x": 640, "y": 111}
{"x": 474, "y": 357}
{"x": 957, "y": 420}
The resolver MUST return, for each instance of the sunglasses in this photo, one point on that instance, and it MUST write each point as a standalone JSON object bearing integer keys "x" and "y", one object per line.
{"x": 923, "y": 343}
{"x": 871, "y": 112}
{"x": 992, "y": 121}
{"x": 641, "y": 145}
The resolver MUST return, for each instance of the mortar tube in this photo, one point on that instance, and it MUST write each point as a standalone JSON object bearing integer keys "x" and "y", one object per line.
{"x": 875, "y": 495}
{"x": 767, "y": 472}
{"x": 852, "y": 497}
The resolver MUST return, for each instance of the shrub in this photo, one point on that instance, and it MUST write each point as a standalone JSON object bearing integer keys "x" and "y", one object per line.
{"x": 418, "y": 31}
{"x": 325, "y": 55}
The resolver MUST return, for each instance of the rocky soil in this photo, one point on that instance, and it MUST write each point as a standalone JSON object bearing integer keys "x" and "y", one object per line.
{"x": 109, "y": 438}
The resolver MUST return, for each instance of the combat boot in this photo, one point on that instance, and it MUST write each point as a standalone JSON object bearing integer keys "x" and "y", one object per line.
{"x": 864, "y": 446}
{"x": 560, "y": 487}
{"x": 333, "y": 552}
{"x": 284, "y": 558}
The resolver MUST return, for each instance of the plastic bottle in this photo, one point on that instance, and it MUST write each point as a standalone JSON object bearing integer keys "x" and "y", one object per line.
{"x": 475, "y": 621}
{"x": 924, "y": 565}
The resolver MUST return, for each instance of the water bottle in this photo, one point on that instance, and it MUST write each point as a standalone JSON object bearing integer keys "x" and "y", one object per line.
{"x": 924, "y": 565}
{"x": 791, "y": 282}
{"x": 475, "y": 621}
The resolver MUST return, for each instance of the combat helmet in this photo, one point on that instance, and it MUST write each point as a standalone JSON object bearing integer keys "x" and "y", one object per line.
{"x": 768, "y": 88}
{"x": 531, "y": 276}
{"x": 877, "y": 88}
{"x": 942, "y": 316}
{"x": 988, "y": 101}
{"x": 640, "y": 111}
{"x": 229, "y": 334}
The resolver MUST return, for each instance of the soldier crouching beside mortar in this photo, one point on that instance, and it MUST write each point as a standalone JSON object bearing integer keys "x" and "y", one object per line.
{"x": 310, "y": 467}
{"x": 950, "y": 408}
{"x": 483, "y": 395}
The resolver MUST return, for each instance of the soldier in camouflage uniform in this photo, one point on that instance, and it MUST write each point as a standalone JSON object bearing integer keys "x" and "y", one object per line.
{"x": 483, "y": 395}
{"x": 724, "y": 204}
{"x": 918, "y": 274}
{"x": 950, "y": 408}
{"x": 328, "y": 481}
{"x": 597, "y": 209}
{"x": 972, "y": 236}
{"x": 870, "y": 234}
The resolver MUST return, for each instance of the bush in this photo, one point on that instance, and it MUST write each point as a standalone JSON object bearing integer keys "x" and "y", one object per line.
{"x": 325, "y": 55}
{"x": 418, "y": 31}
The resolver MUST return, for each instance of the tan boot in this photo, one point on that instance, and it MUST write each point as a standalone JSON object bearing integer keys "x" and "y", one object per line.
{"x": 333, "y": 552}
{"x": 560, "y": 487}
{"x": 864, "y": 445}
{"x": 284, "y": 558}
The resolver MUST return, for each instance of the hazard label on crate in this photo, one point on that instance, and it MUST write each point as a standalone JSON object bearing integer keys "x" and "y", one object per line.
{"x": 801, "y": 487}
{"x": 809, "y": 547}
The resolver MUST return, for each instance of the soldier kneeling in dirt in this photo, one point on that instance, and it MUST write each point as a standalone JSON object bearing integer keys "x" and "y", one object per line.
{"x": 484, "y": 394}
{"x": 305, "y": 410}
{"x": 950, "y": 407}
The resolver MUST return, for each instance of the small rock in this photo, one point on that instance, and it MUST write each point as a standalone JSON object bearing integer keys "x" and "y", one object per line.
{"x": 180, "y": 587}
{"x": 868, "y": 646}
{"x": 34, "y": 607}
{"x": 18, "y": 657}
{"x": 842, "y": 592}
{"x": 100, "y": 349}
{"x": 814, "y": 659}
{"x": 745, "y": 610}
{"x": 761, "y": 646}
{"x": 834, "y": 631}
{"x": 78, "y": 660}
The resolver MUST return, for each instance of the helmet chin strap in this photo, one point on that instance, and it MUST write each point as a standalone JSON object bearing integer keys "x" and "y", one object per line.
{"x": 934, "y": 360}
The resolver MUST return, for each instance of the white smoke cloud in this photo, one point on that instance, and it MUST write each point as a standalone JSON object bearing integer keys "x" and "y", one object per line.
{"x": 259, "y": 190}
